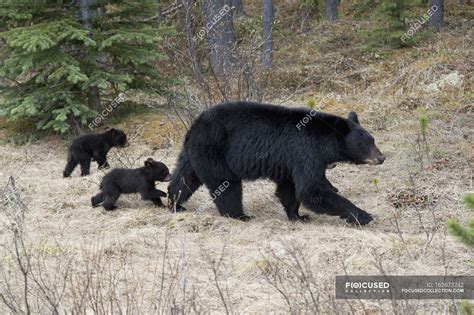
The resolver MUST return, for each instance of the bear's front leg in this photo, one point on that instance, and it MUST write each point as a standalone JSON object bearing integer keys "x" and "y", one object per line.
{"x": 331, "y": 186}
{"x": 101, "y": 159}
{"x": 328, "y": 202}
{"x": 154, "y": 195}
{"x": 158, "y": 202}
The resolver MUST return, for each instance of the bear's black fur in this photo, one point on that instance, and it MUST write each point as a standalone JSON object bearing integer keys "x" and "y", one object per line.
{"x": 239, "y": 141}
{"x": 93, "y": 147}
{"x": 127, "y": 181}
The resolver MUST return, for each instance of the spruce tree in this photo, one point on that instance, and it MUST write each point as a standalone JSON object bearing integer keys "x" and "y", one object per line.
{"x": 392, "y": 16}
{"x": 61, "y": 59}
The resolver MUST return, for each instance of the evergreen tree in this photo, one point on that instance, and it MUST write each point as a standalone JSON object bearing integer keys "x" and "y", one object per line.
{"x": 59, "y": 57}
{"x": 466, "y": 235}
{"x": 393, "y": 16}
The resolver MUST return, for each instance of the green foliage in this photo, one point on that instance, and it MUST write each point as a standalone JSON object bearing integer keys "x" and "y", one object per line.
{"x": 364, "y": 7}
{"x": 423, "y": 124}
{"x": 466, "y": 308}
{"x": 125, "y": 110}
{"x": 310, "y": 4}
{"x": 393, "y": 16}
{"x": 311, "y": 103}
{"x": 464, "y": 233}
{"x": 56, "y": 62}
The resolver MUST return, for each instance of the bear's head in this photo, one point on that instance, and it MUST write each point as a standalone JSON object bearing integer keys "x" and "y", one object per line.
{"x": 360, "y": 146}
{"x": 157, "y": 171}
{"x": 117, "y": 137}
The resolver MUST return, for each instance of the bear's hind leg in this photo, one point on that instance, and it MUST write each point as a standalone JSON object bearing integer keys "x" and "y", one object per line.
{"x": 286, "y": 194}
{"x": 227, "y": 196}
{"x": 70, "y": 166}
{"x": 184, "y": 182}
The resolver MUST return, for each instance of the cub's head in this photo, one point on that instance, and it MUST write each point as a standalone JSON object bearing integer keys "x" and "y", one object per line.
{"x": 117, "y": 137}
{"x": 360, "y": 146}
{"x": 157, "y": 170}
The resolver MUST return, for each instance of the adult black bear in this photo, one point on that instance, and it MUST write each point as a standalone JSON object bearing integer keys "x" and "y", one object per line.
{"x": 239, "y": 141}
{"x": 126, "y": 181}
{"x": 93, "y": 147}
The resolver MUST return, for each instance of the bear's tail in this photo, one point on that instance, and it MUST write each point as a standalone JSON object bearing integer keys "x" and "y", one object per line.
{"x": 184, "y": 181}
{"x": 71, "y": 164}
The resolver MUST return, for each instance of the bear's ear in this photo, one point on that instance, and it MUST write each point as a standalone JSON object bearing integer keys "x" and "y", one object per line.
{"x": 341, "y": 127}
{"x": 149, "y": 162}
{"x": 112, "y": 131}
{"x": 353, "y": 116}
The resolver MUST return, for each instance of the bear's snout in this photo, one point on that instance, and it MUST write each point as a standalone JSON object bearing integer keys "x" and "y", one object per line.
{"x": 376, "y": 157}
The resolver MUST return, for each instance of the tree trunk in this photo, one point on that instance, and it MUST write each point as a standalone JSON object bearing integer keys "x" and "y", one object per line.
{"x": 331, "y": 10}
{"x": 437, "y": 14}
{"x": 238, "y": 8}
{"x": 84, "y": 17}
{"x": 191, "y": 39}
{"x": 267, "y": 33}
{"x": 84, "y": 14}
{"x": 228, "y": 37}
{"x": 219, "y": 26}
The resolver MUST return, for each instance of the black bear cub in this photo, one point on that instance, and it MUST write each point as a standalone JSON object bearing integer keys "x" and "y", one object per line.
{"x": 127, "y": 181}
{"x": 93, "y": 147}
{"x": 240, "y": 141}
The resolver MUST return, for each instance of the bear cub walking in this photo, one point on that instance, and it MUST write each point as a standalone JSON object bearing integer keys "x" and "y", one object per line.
{"x": 127, "y": 181}
{"x": 93, "y": 147}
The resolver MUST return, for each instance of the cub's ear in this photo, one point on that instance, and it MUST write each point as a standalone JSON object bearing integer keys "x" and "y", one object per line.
{"x": 353, "y": 116}
{"x": 149, "y": 162}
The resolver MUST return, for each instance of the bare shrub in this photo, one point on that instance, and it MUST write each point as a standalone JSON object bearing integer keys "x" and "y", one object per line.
{"x": 289, "y": 272}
